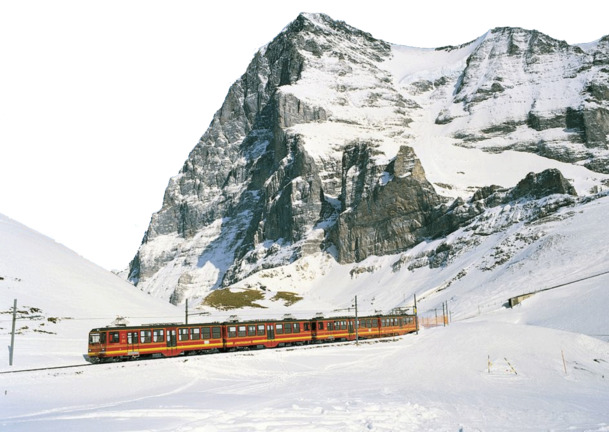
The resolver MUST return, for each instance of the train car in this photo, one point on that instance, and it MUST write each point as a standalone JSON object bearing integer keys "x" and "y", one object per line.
{"x": 369, "y": 327}
{"x": 154, "y": 340}
{"x": 343, "y": 328}
{"x": 266, "y": 334}
{"x": 333, "y": 329}
{"x": 197, "y": 339}
{"x": 397, "y": 325}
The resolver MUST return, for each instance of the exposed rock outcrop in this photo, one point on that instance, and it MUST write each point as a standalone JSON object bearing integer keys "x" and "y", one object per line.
{"x": 386, "y": 216}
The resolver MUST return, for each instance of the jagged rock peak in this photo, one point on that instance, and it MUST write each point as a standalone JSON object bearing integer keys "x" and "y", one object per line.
{"x": 317, "y": 33}
{"x": 532, "y": 40}
{"x": 321, "y": 23}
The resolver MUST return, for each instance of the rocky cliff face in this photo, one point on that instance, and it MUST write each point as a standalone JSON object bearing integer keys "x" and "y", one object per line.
{"x": 324, "y": 143}
{"x": 551, "y": 97}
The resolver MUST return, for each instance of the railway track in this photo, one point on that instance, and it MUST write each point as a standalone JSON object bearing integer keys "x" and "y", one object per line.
{"x": 286, "y": 348}
{"x": 45, "y": 368}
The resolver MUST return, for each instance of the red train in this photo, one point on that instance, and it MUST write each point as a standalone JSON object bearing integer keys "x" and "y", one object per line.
{"x": 169, "y": 340}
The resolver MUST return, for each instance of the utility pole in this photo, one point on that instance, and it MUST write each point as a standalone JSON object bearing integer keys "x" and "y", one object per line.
{"x": 416, "y": 316}
{"x": 10, "y": 361}
{"x": 356, "y": 324}
{"x": 186, "y": 320}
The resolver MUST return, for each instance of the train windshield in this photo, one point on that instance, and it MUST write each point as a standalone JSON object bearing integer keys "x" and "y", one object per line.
{"x": 94, "y": 338}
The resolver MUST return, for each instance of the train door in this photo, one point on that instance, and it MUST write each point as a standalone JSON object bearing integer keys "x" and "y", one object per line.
{"x": 172, "y": 341}
{"x": 270, "y": 331}
{"x": 133, "y": 343}
{"x": 316, "y": 330}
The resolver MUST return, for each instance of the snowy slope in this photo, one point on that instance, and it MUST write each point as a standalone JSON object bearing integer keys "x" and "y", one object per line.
{"x": 439, "y": 380}
{"x": 60, "y": 297}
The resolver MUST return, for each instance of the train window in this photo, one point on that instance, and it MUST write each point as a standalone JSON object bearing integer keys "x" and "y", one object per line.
{"x": 205, "y": 333}
{"x": 251, "y": 330}
{"x": 232, "y": 331}
{"x": 183, "y": 334}
{"x": 145, "y": 336}
{"x": 343, "y": 325}
{"x": 287, "y": 328}
{"x": 320, "y": 325}
{"x": 330, "y": 326}
{"x": 114, "y": 337}
{"x": 307, "y": 327}
{"x": 260, "y": 329}
{"x": 215, "y": 332}
{"x": 296, "y": 327}
{"x": 94, "y": 338}
{"x": 279, "y": 328}
{"x": 242, "y": 331}
{"x": 158, "y": 335}
{"x": 195, "y": 333}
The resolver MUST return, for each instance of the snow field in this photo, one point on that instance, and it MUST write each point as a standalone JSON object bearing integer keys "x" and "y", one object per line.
{"x": 437, "y": 380}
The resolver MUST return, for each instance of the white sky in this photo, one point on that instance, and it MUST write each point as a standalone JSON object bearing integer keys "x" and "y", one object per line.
{"x": 101, "y": 102}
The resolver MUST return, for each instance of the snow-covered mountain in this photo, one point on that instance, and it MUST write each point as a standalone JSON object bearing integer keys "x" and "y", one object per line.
{"x": 335, "y": 147}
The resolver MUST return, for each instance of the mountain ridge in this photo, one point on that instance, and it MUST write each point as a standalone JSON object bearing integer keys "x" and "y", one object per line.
{"x": 308, "y": 139}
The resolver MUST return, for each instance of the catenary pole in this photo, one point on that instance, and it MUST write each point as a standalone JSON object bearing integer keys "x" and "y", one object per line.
{"x": 10, "y": 362}
{"x": 416, "y": 315}
{"x": 186, "y": 319}
{"x": 356, "y": 324}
